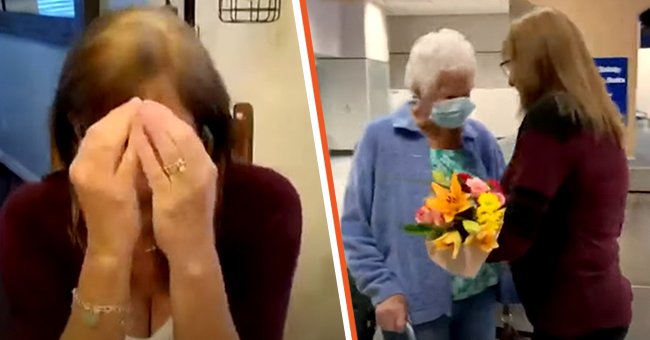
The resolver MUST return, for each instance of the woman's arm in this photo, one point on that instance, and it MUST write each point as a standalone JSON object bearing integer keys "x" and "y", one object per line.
{"x": 363, "y": 258}
{"x": 542, "y": 165}
{"x": 104, "y": 280}
{"x": 38, "y": 285}
{"x": 258, "y": 270}
{"x": 198, "y": 296}
{"x": 183, "y": 201}
{"x": 35, "y": 286}
{"x": 36, "y": 262}
{"x": 103, "y": 174}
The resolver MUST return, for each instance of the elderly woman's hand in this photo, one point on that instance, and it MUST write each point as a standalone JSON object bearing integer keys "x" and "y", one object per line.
{"x": 421, "y": 110}
{"x": 103, "y": 175}
{"x": 183, "y": 180}
{"x": 450, "y": 85}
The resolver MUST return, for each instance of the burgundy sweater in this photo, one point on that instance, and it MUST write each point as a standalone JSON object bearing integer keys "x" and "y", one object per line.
{"x": 258, "y": 245}
{"x": 566, "y": 201}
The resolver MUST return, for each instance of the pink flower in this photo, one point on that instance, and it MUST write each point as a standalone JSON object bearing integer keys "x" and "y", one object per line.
{"x": 477, "y": 186}
{"x": 501, "y": 197}
{"x": 437, "y": 218}
{"x": 425, "y": 215}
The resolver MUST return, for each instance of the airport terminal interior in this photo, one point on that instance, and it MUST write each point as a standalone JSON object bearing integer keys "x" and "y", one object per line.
{"x": 35, "y": 36}
{"x": 356, "y": 70}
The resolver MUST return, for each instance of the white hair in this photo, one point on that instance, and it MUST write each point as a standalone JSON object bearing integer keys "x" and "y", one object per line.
{"x": 435, "y": 52}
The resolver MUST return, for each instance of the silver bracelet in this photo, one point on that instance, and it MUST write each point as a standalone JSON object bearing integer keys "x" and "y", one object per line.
{"x": 92, "y": 312}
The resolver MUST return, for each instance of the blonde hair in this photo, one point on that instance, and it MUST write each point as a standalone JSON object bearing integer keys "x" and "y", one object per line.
{"x": 442, "y": 51}
{"x": 550, "y": 56}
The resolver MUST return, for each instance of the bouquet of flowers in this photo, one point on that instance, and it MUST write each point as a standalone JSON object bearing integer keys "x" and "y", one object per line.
{"x": 460, "y": 220}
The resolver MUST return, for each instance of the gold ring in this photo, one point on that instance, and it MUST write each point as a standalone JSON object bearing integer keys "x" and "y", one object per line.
{"x": 175, "y": 168}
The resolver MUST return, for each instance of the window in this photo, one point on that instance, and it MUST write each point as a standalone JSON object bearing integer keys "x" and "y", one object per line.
{"x": 52, "y": 8}
{"x": 54, "y": 22}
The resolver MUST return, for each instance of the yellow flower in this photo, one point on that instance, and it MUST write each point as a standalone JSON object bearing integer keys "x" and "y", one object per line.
{"x": 449, "y": 202}
{"x": 483, "y": 217}
{"x": 450, "y": 240}
{"x": 489, "y": 201}
{"x": 487, "y": 239}
{"x": 491, "y": 225}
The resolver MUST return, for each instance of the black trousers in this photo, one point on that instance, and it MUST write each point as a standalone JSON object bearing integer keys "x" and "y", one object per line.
{"x": 601, "y": 334}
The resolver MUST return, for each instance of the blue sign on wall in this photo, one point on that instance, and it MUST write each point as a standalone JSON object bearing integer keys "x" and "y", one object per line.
{"x": 614, "y": 71}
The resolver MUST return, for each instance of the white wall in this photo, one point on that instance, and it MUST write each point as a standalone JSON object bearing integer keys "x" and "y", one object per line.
{"x": 351, "y": 39}
{"x": 343, "y": 87}
{"x": 261, "y": 64}
{"x": 348, "y": 29}
{"x": 325, "y": 22}
{"x": 643, "y": 81}
{"x": 485, "y": 31}
{"x": 375, "y": 32}
{"x": 498, "y": 109}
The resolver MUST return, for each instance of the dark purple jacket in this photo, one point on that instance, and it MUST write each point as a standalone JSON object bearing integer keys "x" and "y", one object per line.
{"x": 566, "y": 202}
{"x": 258, "y": 245}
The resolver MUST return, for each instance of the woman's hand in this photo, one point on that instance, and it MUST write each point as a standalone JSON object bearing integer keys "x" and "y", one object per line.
{"x": 103, "y": 175}
{"x": 421, "y": 111}
{"x": 183, "y": 180}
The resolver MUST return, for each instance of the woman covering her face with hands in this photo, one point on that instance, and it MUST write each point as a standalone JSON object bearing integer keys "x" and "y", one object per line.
{"x": 145, "y": 233}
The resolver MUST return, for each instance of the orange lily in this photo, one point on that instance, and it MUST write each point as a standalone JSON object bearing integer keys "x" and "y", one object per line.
{"x": 449, "y": 202}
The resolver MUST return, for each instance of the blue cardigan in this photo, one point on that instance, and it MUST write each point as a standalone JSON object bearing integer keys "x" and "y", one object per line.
{"x": 389, "y": 179}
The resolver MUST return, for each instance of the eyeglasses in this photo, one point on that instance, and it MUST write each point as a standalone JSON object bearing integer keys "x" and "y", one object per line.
{"x": 505, "y": 68}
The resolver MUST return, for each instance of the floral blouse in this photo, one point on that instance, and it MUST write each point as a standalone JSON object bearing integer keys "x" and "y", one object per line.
{"x": 447, "y": 162}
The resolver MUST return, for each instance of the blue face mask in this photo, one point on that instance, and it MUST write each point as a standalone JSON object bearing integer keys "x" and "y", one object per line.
{"x": 452, "y": 113}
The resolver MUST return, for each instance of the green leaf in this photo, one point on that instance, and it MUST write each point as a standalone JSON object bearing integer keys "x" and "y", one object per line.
{"x": 417, "y": 229}
{"x": 435, "y": 233}
{"x": 471, "y": 226}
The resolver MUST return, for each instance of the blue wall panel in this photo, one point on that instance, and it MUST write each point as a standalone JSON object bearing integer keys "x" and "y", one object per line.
{"x": 29, "y": 72}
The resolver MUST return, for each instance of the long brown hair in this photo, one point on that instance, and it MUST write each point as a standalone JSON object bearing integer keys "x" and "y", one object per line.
{"x": 549, "y": 55}
{"x": 111, "y": 63}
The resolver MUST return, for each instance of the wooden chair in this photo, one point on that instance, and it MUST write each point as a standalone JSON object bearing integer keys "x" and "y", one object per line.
{"x": 243, "y": 130}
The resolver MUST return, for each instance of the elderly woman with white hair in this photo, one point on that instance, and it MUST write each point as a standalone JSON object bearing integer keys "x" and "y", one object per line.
{"x": 389, "y": 180}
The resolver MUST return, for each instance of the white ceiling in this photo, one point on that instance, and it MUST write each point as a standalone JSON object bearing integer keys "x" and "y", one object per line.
{"x": 444, "y": 7}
